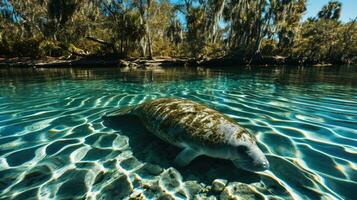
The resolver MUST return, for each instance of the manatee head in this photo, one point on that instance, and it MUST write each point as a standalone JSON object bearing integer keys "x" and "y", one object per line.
{"x": 246, "y": 154}
{"x": 250, "y": 158}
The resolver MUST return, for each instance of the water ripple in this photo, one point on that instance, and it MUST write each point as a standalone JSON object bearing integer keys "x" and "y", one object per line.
{"x": 53, "y": 143}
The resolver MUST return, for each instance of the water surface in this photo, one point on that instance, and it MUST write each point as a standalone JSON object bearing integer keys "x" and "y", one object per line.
{"x": 54, "y": 144}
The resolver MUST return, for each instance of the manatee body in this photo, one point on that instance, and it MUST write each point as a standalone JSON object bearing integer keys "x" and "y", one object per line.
{"x": 199, "y": 130}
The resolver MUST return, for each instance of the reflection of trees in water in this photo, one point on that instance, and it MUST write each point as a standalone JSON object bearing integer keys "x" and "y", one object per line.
{"x": 342, "y": 75}
{"x": 43, "y": 74}
{"x": 163, "y": 74}
{"x": 345, "y": 75}
{"x": 153, "y": 74}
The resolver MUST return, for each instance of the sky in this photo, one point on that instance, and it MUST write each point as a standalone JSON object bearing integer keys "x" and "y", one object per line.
{"x": 349, "y": 9}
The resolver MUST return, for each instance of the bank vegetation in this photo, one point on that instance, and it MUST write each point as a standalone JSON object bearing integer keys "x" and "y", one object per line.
{"x": 240, "y": 31}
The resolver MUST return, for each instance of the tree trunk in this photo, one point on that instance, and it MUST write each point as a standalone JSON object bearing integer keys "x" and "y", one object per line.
{"x": 143, "y": 47}
{"x": 149, "y": 45}
{"x": 148, "y": 33}
{"x": 146, "y": 40}
{"x": 258, "y": 39}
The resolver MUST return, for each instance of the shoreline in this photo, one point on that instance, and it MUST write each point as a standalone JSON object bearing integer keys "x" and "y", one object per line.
{"x": 93, "y": 62}
{"x": 49, "y": 62}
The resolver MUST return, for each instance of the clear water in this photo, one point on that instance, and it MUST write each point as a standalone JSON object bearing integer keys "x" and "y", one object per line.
{"x": 54, "y": 144}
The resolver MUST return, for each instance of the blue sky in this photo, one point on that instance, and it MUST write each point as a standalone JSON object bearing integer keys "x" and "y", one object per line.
{"x": 349, "y": 8}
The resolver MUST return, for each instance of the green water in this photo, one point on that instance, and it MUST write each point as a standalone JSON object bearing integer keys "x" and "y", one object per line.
{"x": 54, "y": 144}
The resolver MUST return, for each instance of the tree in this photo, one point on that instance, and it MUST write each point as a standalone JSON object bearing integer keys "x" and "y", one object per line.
{"x": 215, "y": 14}
{"x": 325, "y": 39}
{"x": 244, "y": 29}
{"x": 287, "y": 16}
{"x": 330, "y": 11}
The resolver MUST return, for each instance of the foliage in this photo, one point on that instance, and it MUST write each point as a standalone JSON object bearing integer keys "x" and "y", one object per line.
{"x": 327, "y": 40}
{"x": 330, "y": 11}
{"x": 49, "y": 48}
{"x": 195, "y": 28}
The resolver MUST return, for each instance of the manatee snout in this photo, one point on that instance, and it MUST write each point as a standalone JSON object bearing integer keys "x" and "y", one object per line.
{"x": 253, "y": 159}
{"x": 261, "y": 165}
{"x": 255, "y": 166}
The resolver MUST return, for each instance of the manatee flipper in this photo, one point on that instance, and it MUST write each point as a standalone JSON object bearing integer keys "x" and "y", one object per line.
{"x": 236, "y": 163}
{"x": 185, "y": 157}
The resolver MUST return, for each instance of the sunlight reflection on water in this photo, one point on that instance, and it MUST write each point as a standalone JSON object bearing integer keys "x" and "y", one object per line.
{"x": 53, "y": 143}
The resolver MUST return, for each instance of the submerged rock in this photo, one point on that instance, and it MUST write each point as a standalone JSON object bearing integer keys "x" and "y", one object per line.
{"x": 204, "y": 197}
{"x": 193, "y": 188}
{"x": 153, "y": 169}
{"x": 236, "y": 190}
{"x": 170, "y": 180}
{"x": 137, "y": 195}
{"x": 118, "y": 189}
{"x": 72, "y": 189}
{"x": 218, "y": 185}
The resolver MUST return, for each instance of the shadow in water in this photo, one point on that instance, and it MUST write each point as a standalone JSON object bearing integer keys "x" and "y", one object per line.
{"x": 146, "y": 147}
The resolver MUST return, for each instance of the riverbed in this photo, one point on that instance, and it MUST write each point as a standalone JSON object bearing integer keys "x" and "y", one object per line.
{"x": 55, "y": 145}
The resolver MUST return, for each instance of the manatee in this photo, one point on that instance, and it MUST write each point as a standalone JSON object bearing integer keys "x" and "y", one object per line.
{"x": 198, "y": 130}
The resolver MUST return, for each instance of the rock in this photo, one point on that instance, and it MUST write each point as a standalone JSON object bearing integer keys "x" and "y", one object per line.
{"x": 120, "y": 188}
{"x": 130, "y": 64}
{"x": 134, "y": 65}
{"x": 165, "y": 197}
{"x": 170, "y": 180}
{"x": 204, "y": 197}
{"x": 206, "y": 188}
{"x": 124, "y": 63}
{"x": 153, "y": 169}
{"x": 237, "y": 190}
{"x": 149, "y": 171}
{"x": 181, "y": 194}
{"x": 130, "y": 164}
{"x": 218, "y": 185}
{"x": 193, "y": 188}
{"x": 137, "y": 195}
